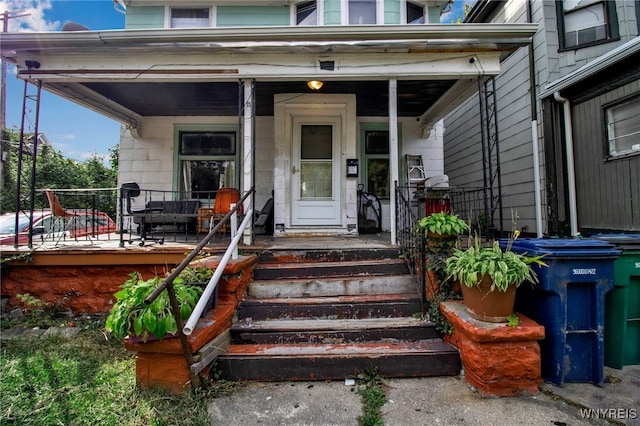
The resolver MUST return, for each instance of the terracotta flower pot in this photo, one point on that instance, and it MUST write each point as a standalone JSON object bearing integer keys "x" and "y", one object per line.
{"x": 490, "y": 306}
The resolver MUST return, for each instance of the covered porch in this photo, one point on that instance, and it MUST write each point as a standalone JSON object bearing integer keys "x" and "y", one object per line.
{"x": 234, "y": 106}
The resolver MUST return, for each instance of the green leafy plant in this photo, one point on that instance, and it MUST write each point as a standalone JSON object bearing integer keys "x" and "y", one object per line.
{"x": 130, "y": 315}
{"x": 443, "y": 223}
{"x": 505, "y": 267}
{"x": 513, "y": 320}
{"x": 198, "y": 274}
{"x": 371, "y": 387}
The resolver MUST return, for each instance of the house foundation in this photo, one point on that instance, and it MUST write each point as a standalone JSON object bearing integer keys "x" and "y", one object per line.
{"x": 498, "y": 359}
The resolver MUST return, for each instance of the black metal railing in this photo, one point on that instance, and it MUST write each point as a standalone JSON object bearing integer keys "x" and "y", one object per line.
{"x": 165, "y": 216}
{"x": 411, "y": 205}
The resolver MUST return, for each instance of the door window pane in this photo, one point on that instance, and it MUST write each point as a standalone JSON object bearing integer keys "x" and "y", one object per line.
{"x": 202, "y": 178}
{"x": 377, "y": 142}
{"x": 316, "y": 179}
{"x": 316, "y": 142}
{"x": 316, "y": 161}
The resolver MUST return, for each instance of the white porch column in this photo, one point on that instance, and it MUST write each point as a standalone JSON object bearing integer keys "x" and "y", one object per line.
{"x": 393, "y": 154}
{"x": 247, "y": 153}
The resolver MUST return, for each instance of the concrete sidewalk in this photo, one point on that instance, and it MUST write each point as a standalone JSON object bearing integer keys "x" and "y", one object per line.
{"x": 433, "y": 401}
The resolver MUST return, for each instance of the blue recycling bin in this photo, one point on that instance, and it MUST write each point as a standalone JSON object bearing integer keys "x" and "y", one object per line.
{"x": 569, "y": 302}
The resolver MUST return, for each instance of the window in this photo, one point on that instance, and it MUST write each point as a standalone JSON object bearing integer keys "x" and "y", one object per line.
{"x": 415, "y": 13}
{"x": 362, "y": 12}
{"x": 307, "y": 13}
{"x": 207, "y": 161}
{"x": 586, "y": 22}
{"x": 376, "y": 147}
{"x": 623, "y": 127}
{"x": 316, "y": 161}
{"x": 190, "y": 18}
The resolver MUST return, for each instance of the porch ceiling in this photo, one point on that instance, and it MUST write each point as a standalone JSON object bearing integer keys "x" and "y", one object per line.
{"x": 221, "y": 98}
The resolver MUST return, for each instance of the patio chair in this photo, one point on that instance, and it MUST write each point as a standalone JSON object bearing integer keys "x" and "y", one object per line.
{"x": 128, "y": 191}
{"x": 263, "y": 220}
{"x": 60, "y": 215}
{"x": 224, "y": 198}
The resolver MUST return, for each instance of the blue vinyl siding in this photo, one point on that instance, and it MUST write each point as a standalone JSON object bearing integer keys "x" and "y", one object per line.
{"x": 433, "y": 15}
{"x": 332, "y": 12}
{"x": 144, "y": 18}
{"x": 253, "y": 16}
{"x": 392, "y": 12}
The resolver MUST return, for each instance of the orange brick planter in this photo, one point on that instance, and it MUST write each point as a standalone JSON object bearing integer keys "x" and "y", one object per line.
{"x": 162, "y": 363}
{"x": 498, "y": 360}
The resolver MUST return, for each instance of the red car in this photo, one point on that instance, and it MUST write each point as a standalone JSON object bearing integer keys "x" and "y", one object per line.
{"x": 46, "y": 227}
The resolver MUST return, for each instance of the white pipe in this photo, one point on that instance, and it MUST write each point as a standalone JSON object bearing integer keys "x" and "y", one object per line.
{"x": 536, "y": 177}
{"x": 571, "y": 171}
{"x": 213, "y": 282}
{"x": 393, "y": 155}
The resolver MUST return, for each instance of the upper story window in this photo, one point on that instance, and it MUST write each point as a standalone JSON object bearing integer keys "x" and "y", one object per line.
{"x": 307, "y": 13}
{"x": 190, "y": 17}
{"x": 362, "y": 12}
{"x": 586, "y": 22}
{"x": 415, "y": 13}
{"x": 623, "y": 127}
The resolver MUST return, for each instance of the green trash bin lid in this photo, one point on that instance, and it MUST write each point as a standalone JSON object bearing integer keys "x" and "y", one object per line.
{"x": 622, "y": 241}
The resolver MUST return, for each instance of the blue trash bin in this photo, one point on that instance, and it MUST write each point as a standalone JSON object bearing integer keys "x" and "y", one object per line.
{"x": 569, "y": 302}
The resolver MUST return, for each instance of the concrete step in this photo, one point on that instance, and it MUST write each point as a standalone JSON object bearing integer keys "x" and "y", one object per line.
{"x": 275, "y": 362}
{"x": 333, "y": 331}
{"x": 326, "y": 255}
{"x": 319, "y": 286}
{"x": 334, "y": 307}
{"x": 280, "y": 271}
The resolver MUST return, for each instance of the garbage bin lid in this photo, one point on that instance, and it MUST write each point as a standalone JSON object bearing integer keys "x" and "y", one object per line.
{"x": 563, "y": 247}
{"x": 622, "y": 240}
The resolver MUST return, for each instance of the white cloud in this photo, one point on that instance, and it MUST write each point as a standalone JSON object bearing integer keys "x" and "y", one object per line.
{"x": 33, "y": 20}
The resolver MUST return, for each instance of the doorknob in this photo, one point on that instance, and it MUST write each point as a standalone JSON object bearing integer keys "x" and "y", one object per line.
{"x": 294, "y": 170}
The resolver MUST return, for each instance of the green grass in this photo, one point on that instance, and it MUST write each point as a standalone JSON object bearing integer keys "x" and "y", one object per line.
{"x": 89, "y": 379}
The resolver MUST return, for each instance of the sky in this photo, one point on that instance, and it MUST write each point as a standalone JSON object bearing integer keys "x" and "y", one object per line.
{"x": 76, "y": 131}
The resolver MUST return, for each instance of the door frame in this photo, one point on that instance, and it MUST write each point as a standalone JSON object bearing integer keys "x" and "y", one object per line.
{"x": 287, "y": 109}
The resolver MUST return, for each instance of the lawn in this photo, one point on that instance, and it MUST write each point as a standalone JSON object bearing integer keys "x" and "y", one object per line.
{"x": 88, "y": 379}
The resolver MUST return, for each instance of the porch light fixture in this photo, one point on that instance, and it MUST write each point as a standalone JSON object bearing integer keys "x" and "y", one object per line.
{"x": 315, "y": 84}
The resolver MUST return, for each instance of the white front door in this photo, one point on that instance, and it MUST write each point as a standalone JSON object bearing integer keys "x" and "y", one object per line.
{"x": 315, "y": 171}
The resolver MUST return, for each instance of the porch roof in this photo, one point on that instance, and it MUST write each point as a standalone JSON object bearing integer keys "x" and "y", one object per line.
{"x": 130, "y": 74}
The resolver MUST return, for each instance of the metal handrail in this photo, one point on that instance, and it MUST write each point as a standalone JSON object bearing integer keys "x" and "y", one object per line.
{"x": 213, "y": 282}
{"x": 168, "y": 284}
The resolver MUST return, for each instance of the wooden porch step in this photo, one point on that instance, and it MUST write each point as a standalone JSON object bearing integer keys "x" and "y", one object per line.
{"x": 327, "y": 255}
{"x": 317, "y": 287}
{"x": 334, "y": 331}
{"x": 273, "y": 271}
{"x": 274, "y": 362}
{"x": 331, "y": 307}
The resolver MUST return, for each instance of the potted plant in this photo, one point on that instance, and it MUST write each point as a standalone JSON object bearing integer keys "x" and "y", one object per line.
{"x": 442, "y": 225}
{"x": 198, "y": 276}
{"x": 131, "y": 316}
{"x": 489, "y": 277}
